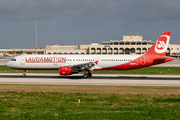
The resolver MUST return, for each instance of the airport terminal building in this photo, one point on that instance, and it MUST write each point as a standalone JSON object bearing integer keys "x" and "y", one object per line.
{"x": 128, "y": 45}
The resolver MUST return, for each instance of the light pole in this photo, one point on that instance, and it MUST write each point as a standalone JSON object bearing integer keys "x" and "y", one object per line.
{"x": 109, "y": 45}
{"x": 36, "y": 32}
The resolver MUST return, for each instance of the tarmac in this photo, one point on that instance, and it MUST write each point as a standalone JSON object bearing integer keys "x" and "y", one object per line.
{"x": 96, "y": 79}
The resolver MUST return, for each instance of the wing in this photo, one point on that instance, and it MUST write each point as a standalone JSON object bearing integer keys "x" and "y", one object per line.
{"x": 82, "y": 66}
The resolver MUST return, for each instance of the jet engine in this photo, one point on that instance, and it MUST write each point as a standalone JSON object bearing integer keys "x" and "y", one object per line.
{"x": 65, "y": 70}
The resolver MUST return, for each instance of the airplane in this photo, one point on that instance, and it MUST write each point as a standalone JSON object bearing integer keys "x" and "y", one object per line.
{"x": 71, "y": 64}
{"x": 8, "y": 55}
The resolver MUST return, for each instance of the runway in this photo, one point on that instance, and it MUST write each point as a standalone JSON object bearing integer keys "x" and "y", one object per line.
{"x": 96, "y": 79}
{"x": 4, "y": 60}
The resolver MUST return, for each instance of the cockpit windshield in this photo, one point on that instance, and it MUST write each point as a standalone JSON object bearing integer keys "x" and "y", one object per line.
{"x": 13, "y": 59}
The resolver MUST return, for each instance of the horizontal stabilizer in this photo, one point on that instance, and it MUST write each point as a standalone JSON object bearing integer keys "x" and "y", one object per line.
{"x": 164, "y": 58}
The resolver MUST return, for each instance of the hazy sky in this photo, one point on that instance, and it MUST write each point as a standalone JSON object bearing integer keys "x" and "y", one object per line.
{"x": 75, "y": 22}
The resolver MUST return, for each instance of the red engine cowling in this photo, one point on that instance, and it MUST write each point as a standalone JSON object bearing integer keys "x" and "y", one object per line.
{"x": 65, "y": 70}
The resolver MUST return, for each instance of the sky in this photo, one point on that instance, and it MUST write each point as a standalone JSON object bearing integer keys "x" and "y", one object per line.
{"x": 82, "y": 22}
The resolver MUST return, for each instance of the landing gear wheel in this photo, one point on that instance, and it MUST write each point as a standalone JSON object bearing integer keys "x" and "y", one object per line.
{"x": 24, "y": 74}
{"x": 85, "y": 76}
{"x": 89, "y": 74}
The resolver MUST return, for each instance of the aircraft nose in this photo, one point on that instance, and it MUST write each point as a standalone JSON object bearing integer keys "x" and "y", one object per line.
{"x": 8, "y": 64}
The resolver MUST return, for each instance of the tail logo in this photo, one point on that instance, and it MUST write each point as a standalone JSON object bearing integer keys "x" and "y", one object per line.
{"x": 162, "y": 44}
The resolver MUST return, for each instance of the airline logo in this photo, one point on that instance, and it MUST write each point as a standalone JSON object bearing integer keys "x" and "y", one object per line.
{"x": 96, "y": 62}
{"x": 45, "y": 59}
{"x": 162, "y": 44}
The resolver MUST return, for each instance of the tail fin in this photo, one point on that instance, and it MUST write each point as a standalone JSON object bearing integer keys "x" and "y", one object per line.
{"x": 160, "y": 46}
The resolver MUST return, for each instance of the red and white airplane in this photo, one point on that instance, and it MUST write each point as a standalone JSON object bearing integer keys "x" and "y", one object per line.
{"x": 71, "y": 64}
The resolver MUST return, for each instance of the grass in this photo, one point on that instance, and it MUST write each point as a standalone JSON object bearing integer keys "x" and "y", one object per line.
{"x": 61, "y": 102}
{"x": 4, "y": 69}
{"x": 147, "y": 70}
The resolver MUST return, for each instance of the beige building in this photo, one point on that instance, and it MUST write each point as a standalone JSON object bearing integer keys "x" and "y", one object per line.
{"x": 63, "y": 49}
{"x": 129, "y": 45}
{"x": 15, "y": 52}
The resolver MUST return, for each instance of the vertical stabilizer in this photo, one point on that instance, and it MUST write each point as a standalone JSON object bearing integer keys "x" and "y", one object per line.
{"x": 160, "y": 46}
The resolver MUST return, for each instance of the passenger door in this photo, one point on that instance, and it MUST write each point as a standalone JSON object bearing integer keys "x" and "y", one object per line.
{"x": 22, "y": 61}
{"x": 143, "y": 60}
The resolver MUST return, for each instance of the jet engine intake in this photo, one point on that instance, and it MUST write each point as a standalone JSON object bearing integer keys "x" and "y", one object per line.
{"x": 65, "y": 70}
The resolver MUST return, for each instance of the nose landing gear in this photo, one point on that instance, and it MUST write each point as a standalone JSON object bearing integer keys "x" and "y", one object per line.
{"x": 24, "y": 74}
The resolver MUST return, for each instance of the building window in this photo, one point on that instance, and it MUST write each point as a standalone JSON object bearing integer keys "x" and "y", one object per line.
{"x": 177, "y": 48}
{"x": 171, "y": 48}
{"x": 116, "y": 43}
{"x": 40, "y": 53}
{"x": 28, "y": 52}
{"x": 145, "y": 43}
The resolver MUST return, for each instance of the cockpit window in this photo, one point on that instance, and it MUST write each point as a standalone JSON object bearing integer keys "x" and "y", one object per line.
{"x": 13, "y": 59}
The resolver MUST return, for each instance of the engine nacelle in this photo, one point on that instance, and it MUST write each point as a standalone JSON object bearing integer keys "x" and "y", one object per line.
{"x": 65, "y": 71}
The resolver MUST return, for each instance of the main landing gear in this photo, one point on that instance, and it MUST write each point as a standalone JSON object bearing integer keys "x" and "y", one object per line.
{"x": 86, "y": 75}
{"x": 24, "y": 74}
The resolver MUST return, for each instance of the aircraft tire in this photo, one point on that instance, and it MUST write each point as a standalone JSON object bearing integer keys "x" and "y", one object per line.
{"x": 85, "y": 76}
{"x": 89, "y": 74}
{"x": 24, "y": 75}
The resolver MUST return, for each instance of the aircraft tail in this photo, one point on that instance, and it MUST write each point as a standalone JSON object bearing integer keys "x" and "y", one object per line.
{"x": 160, "y": 46}
{"x": 158, "y": 51}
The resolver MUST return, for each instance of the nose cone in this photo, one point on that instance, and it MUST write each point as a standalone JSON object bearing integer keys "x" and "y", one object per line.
{"x": 8, "y": 64}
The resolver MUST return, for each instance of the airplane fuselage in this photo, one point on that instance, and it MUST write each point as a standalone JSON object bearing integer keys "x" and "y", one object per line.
{"x": 53, "y": 62}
